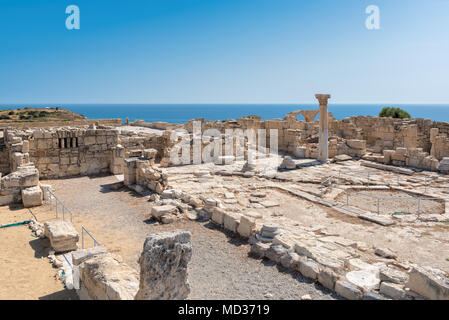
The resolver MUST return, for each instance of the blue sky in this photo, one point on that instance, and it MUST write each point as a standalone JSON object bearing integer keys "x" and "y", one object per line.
{"x": 224, "y": 51}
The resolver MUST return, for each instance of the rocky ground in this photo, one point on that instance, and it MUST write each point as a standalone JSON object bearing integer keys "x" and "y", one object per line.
{"x": 220, "y": 267}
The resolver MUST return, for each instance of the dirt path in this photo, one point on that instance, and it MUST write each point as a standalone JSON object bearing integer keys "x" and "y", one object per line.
{"x": 220, "y": 266}
{"x": 24, "y": 274}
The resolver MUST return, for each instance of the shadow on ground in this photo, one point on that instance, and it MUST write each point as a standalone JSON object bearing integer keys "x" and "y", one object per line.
{"x": 64, "y": 294}
{"x": 41, "y": 247}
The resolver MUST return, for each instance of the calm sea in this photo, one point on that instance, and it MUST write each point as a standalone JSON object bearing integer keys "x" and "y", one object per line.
{"x": 176, "y": 113}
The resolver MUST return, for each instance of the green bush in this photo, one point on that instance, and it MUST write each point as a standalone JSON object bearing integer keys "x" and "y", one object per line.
{"x": 11, "y": 113}
{"x": 394, "y": 113}
{"x": 4, "y": 117}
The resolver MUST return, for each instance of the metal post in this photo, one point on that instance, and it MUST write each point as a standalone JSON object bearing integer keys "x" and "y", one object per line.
{"x": 82, "y": 236}
{"x": 51, "y": 204}
{"x": 347, "y": 197}
{"x": 378, "y": 206}
{"x": 63, "y": 213}
{"x": 56, "y": 203}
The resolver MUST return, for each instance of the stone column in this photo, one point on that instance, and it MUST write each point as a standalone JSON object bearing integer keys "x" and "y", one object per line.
{"x": 324, "y": 134}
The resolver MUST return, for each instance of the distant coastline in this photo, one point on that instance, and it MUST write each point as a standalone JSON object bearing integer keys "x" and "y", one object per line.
{"x": 177, "y": 113}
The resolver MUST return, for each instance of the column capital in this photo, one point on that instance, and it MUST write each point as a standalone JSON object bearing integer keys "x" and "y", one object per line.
{"x": 322, "y": 98}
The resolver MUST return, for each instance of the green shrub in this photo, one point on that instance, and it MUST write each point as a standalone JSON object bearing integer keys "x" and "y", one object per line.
{"x": 11, "y": 113}
{"x": 394, "y": 113}
{"x": 4, "y": 117}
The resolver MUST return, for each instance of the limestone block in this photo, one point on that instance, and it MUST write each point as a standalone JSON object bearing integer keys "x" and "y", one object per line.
{"x": 218, "y": 215}
{"x": 104, "y": 277}
{"x": 163, "y": 266}
{"x": 246, "y": 226}
{"x": 428, "y": 282}
{"x": 356, "y": 144}
{"x": 63, "y": 236}
{"x": 327, "y": 278}
{"x": 32, "y": 197}
{"x": 231, "y": 221}
{"x": 159, "y": 211}
{"x": 393, "y": 290}
{"x": 23, "y": 177}
{"x": 347, "y": 290}
{"x": 309, "y": 268}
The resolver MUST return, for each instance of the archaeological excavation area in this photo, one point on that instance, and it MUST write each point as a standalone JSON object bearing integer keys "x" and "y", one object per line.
{"x": 303, "y": 209}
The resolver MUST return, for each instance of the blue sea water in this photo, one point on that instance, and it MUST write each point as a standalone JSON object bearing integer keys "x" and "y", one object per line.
{"x": 176, "y": 113}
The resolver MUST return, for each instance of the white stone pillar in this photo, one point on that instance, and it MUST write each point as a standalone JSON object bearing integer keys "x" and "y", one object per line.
{"x": 324, "y": 132}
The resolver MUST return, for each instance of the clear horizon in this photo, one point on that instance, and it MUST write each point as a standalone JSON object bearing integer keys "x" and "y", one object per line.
{"x": 224, "y": 52}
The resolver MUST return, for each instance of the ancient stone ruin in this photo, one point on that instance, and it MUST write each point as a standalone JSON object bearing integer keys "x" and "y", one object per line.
{"x": 337, "y": 203}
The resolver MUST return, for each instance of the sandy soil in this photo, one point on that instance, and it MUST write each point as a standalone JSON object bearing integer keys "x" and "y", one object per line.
{"x": 24, "y": 273}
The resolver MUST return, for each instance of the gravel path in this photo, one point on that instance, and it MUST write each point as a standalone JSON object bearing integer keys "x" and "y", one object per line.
{"x": 220, "y": 267}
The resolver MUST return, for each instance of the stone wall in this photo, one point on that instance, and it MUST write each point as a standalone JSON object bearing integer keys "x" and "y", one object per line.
{"x": 62, "y": 152}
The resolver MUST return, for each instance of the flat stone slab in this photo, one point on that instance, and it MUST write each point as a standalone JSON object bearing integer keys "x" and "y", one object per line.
{"x": 387, "y": 167}
{"x": 382, "y": 220}
{"x": 366, "y": 280}
{"x": 79, "y": 256}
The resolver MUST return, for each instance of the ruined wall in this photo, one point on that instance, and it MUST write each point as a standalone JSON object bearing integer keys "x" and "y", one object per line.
{"x": 67, "y": 151}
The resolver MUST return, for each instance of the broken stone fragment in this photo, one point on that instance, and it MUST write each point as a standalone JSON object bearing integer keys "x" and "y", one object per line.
{"x": 259, "y": 248}
{"x": 275, "y": 252}
{"x": 290, "y": 260}
{"x": 163, "y": 266}
{"x": 385, "y": 253}
{"x": 159, "y": 211}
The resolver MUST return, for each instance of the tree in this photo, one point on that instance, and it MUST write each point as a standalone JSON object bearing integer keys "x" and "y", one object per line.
{"x": 394, "y": 113}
